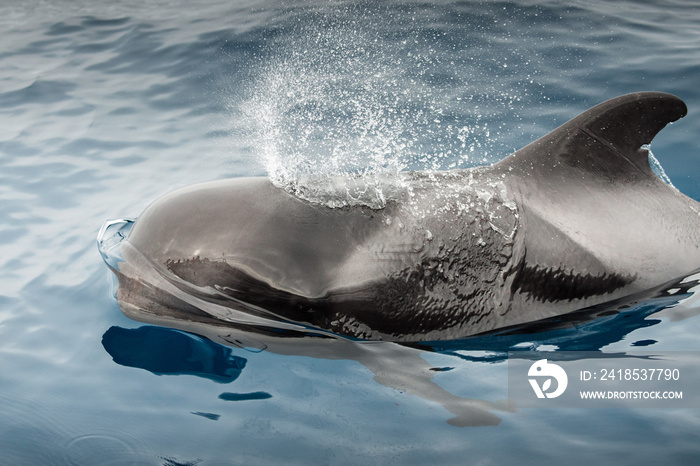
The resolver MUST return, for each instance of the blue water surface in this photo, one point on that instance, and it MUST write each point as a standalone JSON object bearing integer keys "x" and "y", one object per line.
{"x": 107, "y": 105}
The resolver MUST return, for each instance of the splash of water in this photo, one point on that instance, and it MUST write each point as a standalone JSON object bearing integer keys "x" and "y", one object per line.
{"x": 350, "y": 98}
{"x": 326, "y": 118}
{"x": 657, "y": 168}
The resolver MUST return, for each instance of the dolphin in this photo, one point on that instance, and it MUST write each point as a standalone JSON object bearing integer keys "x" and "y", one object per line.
{"x": 575, "y": 219}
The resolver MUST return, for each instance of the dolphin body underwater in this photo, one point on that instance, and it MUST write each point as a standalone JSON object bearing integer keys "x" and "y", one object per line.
{"x": 575, "y": 219}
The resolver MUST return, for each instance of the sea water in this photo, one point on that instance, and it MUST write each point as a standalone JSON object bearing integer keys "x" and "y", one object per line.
{"x": 107, "y": 105}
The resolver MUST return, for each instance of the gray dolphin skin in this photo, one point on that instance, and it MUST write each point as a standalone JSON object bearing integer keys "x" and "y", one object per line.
{"x": 575, "y": 219}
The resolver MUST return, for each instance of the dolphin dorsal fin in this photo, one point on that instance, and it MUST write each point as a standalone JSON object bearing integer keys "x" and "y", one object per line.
{"x": 605, "y": 139}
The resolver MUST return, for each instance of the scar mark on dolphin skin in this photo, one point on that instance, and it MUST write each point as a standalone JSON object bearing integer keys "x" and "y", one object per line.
{"x": 545, "y": 284}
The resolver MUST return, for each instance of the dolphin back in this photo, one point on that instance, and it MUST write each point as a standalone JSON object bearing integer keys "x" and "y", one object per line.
{"x": 596, "y": 223}
{"x": 605, "y": 140}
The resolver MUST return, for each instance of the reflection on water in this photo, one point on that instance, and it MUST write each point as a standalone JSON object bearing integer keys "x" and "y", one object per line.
{"x": 400, "y": 367}
{"x": 244, "y": 396}
{"x": 210, "y": 416}
{"x": 170, "y": 352}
